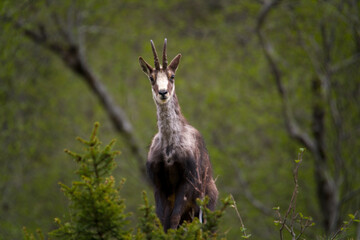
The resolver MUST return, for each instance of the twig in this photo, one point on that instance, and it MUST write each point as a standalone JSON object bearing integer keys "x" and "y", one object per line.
{"x": 292, "y": 205}
{"x": 291, "y": 216}
{"x": 243, "y": 229}
{"x": 345, "y": 225}
{"x": 200, "y": 182}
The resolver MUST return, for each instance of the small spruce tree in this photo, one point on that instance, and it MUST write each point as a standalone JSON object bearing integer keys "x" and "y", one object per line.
{"x": 96, "y": 209}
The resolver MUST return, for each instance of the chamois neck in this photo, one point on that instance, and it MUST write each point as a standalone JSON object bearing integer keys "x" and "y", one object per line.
{"x": 170, "y": 121}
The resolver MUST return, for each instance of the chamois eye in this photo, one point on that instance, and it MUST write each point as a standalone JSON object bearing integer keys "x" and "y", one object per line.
{"x": 151, "y": 79}
{"x": 172, "y": 77}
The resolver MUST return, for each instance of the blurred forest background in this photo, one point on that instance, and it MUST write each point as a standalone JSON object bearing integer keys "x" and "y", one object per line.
{"x": 259, "y": 79}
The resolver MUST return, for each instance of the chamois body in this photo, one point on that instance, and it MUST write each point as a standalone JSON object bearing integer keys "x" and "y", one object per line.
{"x": 178, "y": 163}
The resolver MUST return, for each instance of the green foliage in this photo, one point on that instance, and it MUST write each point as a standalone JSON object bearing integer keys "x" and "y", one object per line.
{"x": 30, "y": 236}
{"x": 150, "y": 226}
{"x": 96, "y": 209}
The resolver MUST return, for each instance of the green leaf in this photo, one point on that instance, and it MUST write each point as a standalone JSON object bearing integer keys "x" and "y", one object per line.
{"x": 351, "y": 216}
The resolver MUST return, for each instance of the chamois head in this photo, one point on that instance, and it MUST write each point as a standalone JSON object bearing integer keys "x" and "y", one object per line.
{"x": 162, "y": 78}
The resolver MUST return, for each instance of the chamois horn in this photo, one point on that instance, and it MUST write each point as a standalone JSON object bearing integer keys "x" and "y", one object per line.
{"x": 164, "y": 55}
{"x": 156, "y": 59}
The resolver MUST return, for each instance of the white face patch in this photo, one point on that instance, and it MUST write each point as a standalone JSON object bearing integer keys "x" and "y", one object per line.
{"x": 162, "y": 81}
{"x": 162, "y": 85}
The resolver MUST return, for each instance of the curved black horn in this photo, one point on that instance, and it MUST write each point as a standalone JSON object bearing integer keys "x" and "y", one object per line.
{"x": 156, "y": 59}
{"x": 164, "y": 55}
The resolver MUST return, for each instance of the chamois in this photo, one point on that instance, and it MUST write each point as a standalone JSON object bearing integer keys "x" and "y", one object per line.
{"x": 178, "y": 163}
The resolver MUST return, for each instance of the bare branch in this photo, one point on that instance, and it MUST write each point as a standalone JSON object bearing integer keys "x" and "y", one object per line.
{"x": 243, "y": 229}
{"x": 199, "y": 182}
{"x": 327, "y": 188}
{"x": 344, "y": 226}
{"x": 291, "y": 216}
{"x": 291, "y": 125}
{"x": 349, "y": 196}
{"x": 345, "y": 63}
{"x": 322, "y": 68}
{"x": 73, "y": 57}
{"x": 292, "y": 204}
{"x": 267, "y": 7}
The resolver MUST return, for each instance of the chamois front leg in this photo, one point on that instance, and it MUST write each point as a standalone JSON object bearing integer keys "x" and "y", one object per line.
{"x": 163, "y": 209}
{"x": 167, "y": 215}
{"x": 160, "y": 206}
{"x": 179, "y": 205}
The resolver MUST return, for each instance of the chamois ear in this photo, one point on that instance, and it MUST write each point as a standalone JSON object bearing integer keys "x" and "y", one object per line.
{"x": 174, "y": 63}
{"x": 147, "y": 69}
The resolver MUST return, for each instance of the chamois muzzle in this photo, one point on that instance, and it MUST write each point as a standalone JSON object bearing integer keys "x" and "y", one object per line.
{"x": 163, "y": 94}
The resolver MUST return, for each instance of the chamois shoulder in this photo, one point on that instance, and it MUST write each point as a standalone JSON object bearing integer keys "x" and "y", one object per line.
{"x": 155, "y": 148}
{"x": 193, "y": 140}
{"x": 193, "y": 132}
